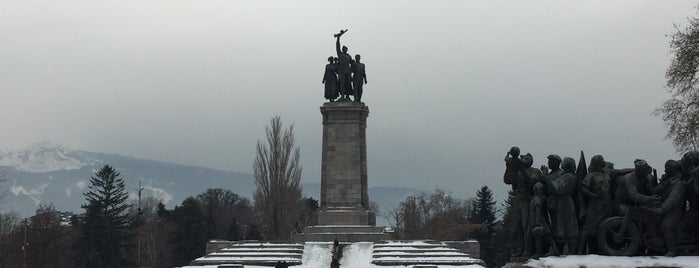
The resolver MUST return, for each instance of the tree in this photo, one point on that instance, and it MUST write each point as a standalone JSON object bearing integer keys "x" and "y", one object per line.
{"x": 277, "y": 177}
{"x": 483, "y": 207}
{"x": 104, "y": 229}
{"x": 151, "y": 234}
{"x": 483, "y": 212}
{"x": 307, "y": 216}
{"x": 11, "y": 239}
{"x": 681, "y": 111}
{"x": 191, "y": 232}
{"x": 227, "y": 213}
{"x": 49, "y": 240}
{"x": 434, "y": 216}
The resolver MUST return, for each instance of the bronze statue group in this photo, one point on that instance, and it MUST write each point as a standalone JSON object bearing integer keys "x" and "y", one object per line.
{"x": 344, "y": 76}
{"x": 561, "y": 209}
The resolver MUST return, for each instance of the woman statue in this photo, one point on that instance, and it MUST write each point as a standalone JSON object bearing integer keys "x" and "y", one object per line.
{"x": 330, "y": 80}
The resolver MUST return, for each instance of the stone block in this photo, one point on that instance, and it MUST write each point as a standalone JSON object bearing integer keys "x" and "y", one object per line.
{"x": 470, "y": 247}
{"x": 216, "y": 245}
{"x": 346, "y": 217}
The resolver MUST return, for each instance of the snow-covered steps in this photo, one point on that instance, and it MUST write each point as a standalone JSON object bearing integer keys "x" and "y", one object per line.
{"x": 419, "y": 253}
{"x": 254, "y": 253}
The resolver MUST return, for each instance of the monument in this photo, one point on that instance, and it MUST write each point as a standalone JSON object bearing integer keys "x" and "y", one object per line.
{"x": 345, "y": 223}
{"x": 344, "y": 202}
{"x": 620, "y": 212}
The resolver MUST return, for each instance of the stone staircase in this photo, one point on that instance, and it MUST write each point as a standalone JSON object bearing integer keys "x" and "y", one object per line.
{"x": 253, "y": 253}
{"x": 343, "y": 233}
{"x": 394, "y": 253}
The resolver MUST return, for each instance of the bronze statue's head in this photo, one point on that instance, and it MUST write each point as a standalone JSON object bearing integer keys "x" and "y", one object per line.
{"x": 514, "y": 151}
{"x": 528, "y": 160}
{"x": 554, "y": 161}
{"x": 642, "y": 168}
{"x": 357, "y": 57}
{"x": 344, "y": 49}
{"x": 597, "y": 163}
{"x": 568, "y": 165}
{"x": 672, "y": 167}
{"x": 690, "y": 160}
{"x": 330, "y": 59}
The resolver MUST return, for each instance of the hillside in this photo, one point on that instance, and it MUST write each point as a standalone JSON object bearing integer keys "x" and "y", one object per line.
{"x": 50, "y": 173}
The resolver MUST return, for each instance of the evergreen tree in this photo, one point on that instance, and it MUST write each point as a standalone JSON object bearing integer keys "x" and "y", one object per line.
{"x": 161, "y": 211}
{"x": 483, "y": 207}
{"x": 483, "y": 212}
{"x": 104, "y": 230}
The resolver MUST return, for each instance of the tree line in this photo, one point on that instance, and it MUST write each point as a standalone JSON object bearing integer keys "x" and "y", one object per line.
{"x": 440, "y": 216}
{"x": 115, "y": 233}
{"x": 112, "y": 232}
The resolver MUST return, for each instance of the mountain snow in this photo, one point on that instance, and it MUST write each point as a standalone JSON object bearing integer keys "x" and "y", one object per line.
{"x": 33, "y": 193}
{"x": 45, "y": 157}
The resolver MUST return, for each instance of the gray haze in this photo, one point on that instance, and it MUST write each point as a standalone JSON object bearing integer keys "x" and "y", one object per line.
{"x": 452, "y": 84}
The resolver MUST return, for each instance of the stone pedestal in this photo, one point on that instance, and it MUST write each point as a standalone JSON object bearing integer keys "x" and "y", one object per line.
{"x": 343, "y": 171}
{"x": 344, "y": 200}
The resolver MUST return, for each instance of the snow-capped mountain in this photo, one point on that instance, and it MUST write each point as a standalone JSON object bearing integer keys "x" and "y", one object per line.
{"x": 48, "y": 173}
{"x": 46, "y": 156}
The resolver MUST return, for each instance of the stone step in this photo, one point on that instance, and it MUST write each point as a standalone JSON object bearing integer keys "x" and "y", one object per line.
{"x": 415, "y": 250}
{"x": 252, "y": 254}
{"x": 288, "y": 250}
{"x": 343, "y": 229}
{"x": 419, "y": 253}
{"x": 341, "y": 237}
{"x": 264, "y": 245}
{"x": 412, "y": 255}
{"x": 427, "y": 262}
{"x": 241, "y": 261}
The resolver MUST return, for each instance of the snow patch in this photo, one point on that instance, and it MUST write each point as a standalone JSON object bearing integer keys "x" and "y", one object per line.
{"x": 34, "y": 194}
{"x": 46, "y": 157}
{"x": 159, "y": 194}
{"x": 613, "y": 262}
{"x": 357, "y": 255}
{"x": 155, "y": 192}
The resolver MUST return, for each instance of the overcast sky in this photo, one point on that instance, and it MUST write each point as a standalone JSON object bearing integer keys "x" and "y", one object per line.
{"x": 452, "y": 84}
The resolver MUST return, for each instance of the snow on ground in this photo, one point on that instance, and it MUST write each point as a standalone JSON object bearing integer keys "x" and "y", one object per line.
{"x": 598, "y": 261}
{"x": 341, "y": 266}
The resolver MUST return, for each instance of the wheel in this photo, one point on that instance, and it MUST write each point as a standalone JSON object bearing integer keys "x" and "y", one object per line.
{"x": 611, "y": 242}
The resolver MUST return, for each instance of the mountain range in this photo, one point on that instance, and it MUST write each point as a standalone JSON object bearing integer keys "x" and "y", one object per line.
{"x": 48, "y": 173}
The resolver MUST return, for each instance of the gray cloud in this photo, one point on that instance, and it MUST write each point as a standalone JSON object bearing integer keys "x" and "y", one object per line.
{"x": 452, "y": 85}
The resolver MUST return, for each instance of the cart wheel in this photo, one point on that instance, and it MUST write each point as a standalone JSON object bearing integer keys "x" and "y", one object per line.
{"x": 611, "y": 242}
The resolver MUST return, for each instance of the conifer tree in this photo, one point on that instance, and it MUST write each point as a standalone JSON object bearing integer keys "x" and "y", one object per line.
{"x": 104, "y": 230}
{"x": 483, "y": 207}
{"x": 483, "y": 212}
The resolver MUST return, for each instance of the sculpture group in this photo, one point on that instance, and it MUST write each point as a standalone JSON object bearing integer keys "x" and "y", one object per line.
{"x": 561, "y": 209}
{"x": 344, "y": 76}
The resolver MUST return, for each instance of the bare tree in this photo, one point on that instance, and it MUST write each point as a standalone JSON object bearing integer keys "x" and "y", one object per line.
{"x": 681, "y": 111}
{"x": 277, "y": 177}
{"x": 11, "y": 235}
{"x": 3, "y": 180}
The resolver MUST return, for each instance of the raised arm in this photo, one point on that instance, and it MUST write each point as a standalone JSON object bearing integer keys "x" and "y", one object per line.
{"x": 337, "y": 45}
{"x": 337, "y": 42}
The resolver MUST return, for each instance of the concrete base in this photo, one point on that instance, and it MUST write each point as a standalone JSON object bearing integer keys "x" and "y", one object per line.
{"x": 470, "y": 247}
{"x": 346, "y": 217}
{"x": 343, "y": 233}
